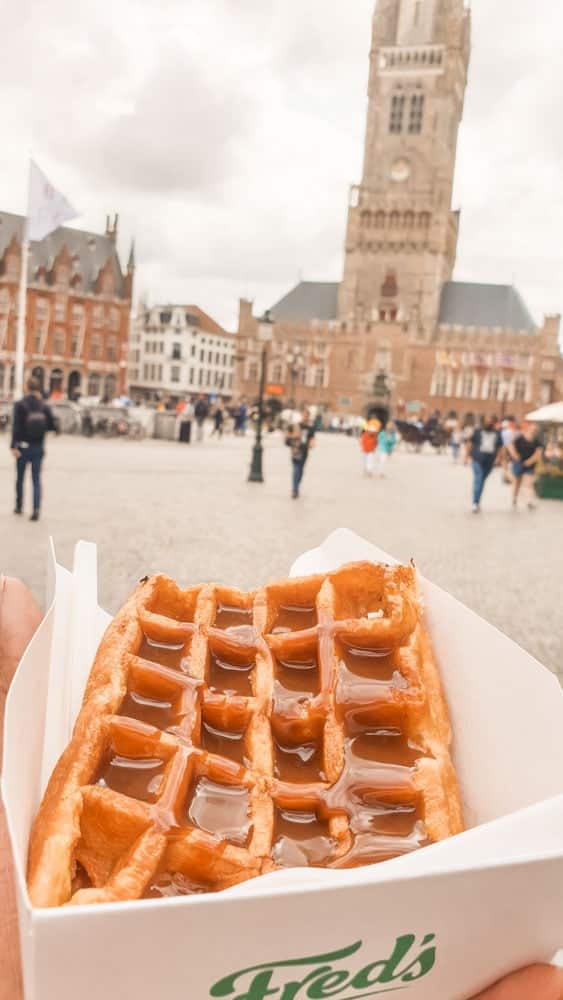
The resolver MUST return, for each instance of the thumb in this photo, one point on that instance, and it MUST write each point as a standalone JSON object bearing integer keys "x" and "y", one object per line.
{"x": 540, "y": 982}
{"x": 19, "y": 618}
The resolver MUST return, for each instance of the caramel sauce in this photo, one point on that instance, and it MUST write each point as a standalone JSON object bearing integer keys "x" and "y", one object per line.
{"x": 301, "y": 840}
{"x": 152, "y": 711}
{"x": 222, "y": 810}
{"x": 298, "y": 675}
{"x": 359, "y": 661}
{"x": 301, "y": 763}
{"x": 228, "y": 677}
{"x": 291, "y": 618}
{"x": 137, "y": 777}
{"x": 167, "y": 884}
{"x": 225, "y": 744}
{"x": 229, "y": 617}
{"x": 173, "y": 656}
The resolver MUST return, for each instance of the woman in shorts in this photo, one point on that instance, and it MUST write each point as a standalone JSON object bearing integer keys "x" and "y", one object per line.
{"x": 525, "y": 451}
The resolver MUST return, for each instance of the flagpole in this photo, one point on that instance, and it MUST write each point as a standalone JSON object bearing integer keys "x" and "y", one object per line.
{"x": 22, "y": 304}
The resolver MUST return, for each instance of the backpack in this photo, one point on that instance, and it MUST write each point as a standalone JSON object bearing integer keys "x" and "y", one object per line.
{"x": 35, "y": 424}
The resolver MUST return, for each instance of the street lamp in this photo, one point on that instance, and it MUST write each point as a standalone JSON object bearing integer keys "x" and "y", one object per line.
{"x": 265, "y": 336}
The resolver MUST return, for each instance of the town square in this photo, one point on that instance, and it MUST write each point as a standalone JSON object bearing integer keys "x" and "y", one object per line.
{"x": 281, "y": 500}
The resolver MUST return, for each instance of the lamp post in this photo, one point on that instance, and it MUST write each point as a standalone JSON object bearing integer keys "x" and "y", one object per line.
{"x": 265, "y": 336}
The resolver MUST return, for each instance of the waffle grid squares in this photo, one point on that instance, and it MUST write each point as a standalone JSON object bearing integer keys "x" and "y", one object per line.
{"x": 229, "y": 733}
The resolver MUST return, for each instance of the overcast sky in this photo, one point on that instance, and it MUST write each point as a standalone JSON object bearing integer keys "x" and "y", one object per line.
{"x": 226, "y": 134}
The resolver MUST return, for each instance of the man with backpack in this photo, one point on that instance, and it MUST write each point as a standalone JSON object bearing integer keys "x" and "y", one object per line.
{"x": 32, "y": 419}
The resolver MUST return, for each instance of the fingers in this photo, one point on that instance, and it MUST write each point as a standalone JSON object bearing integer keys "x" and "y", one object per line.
{"x": 540, "y": 982}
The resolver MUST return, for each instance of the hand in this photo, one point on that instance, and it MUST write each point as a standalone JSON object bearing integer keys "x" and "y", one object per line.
{"x": 16, "y": 452}
{"x": 19, "y": 618}
{"x": 540, "y": 982}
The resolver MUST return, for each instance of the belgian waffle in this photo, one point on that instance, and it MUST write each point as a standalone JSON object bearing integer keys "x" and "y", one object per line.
{"x": 225, "y": 734}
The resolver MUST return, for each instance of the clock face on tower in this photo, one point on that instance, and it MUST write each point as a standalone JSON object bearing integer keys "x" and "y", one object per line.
{"x": 400, "y": 171}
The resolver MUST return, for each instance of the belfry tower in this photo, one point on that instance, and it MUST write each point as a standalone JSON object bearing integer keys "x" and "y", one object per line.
{"x": 402, "y": 233}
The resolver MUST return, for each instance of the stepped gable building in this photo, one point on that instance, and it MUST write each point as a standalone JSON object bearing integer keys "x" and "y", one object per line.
{"x": 179, "y": 351}
{"x": 78, "y": 307}
{"x": 398, "y": 327}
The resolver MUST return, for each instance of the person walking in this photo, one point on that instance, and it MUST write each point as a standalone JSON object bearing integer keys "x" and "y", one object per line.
{"x": 485, "y": 446}
{"x": 300, "y": 439}
{"x": 525, "y": 450}
{"x": 218, "y": 421}
{"x": 201, "y": 412}
{"x": 385, "y": 446}
{"x": 368, "y": 444}
{"x": 32, "y": 419}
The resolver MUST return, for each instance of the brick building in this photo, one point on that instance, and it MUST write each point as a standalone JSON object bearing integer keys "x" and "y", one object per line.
{"x": 78, "y": 307}
{"x": 398, "y": 326}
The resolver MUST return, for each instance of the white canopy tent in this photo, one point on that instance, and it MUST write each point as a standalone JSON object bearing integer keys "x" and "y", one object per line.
{"x": 552, "y": 414}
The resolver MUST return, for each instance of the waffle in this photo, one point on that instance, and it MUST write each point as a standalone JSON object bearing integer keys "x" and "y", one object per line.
{"x": 226, "y": 734}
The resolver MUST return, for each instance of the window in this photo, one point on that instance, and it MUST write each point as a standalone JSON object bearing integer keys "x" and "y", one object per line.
{"x": 114, "y": 319}
{"x": 74, "y": 345}
{"x": 160, "y": 373}
{"x": 467, "y": 385}
{"x": 175, "y": 373}
{"x": 320, "y": 377}
{"x": 210, "y": 356}
{"x": 193, "y": 351}
{"x": 176, "y": 352}
{"x": 440, "y": 386}
{"x": 191, "y": 379}
{"x": 397, "y": 112}
{"x": 416, "y": 15}
{"x": 253, "y": 371}
{"x": 224, "y": 362}
{"x": 111, "y": 352}
{"x": 94, "y": 381}
{"x": 58, "y": 342}
{"x": 230, "y": 381}
{"x": 60, "y": 311}
{"x": 95, "y": 346}
{"x": 97, "y": 317}
{"x": 200, "y": 376}
{"x": 208, "y": 376}
{"x": 277, "y": 373}
{"x": 494, "y": 387}
{"x": 520, "y": 387}
{"x": 202, "y": 355}
{"x": 145, "y": 373}
{"x": 416, "y": 114}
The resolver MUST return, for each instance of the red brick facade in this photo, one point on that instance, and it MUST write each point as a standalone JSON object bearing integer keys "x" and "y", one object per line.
{"x": 78, "y": 308}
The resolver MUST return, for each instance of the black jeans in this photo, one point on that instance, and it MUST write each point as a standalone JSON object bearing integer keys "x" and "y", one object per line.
{"x": 32, "y": 455}
{"x": 298, "y": 468}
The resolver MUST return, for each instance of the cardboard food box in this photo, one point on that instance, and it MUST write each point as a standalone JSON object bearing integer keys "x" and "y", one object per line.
{"x": 439, "y": 924}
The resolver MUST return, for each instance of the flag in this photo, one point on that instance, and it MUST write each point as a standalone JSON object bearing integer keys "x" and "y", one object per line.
{"x": 47, "y": 208}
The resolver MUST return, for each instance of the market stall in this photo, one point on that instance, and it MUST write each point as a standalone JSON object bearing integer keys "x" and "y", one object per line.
{"x": 549, "y": 483}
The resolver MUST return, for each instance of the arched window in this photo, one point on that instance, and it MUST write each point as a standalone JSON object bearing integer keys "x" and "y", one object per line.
{"x": 110, "y": 386}
{"x": 397, "y": 113}
{"x": 389, "y": 289}
{"x": 94, "y": 384}
{"x": 416, "y": 114}
{"x": 56, "y": 381}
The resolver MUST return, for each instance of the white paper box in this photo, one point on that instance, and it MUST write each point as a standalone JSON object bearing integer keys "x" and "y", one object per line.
{"x": 456, "y": 916}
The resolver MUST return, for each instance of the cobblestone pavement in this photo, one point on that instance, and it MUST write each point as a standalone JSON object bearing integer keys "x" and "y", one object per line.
{"x": 189, "y": 511}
